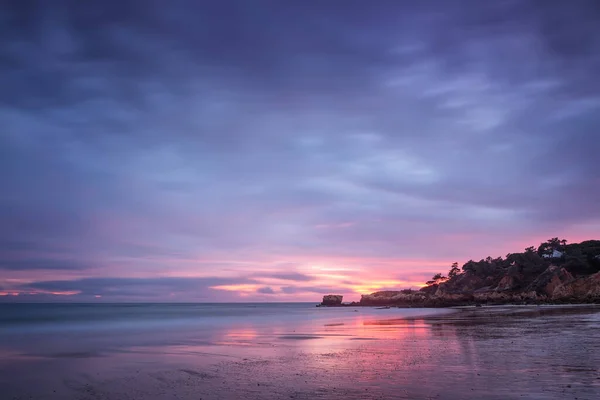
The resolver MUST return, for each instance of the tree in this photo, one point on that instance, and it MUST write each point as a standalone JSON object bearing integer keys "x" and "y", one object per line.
{"x": 469, "y": 266}
{"x": 454, "y": 270}
{"x": 437, "y": 279}
{"x": 530, "y": 249}
{"x": 554, "y": 242}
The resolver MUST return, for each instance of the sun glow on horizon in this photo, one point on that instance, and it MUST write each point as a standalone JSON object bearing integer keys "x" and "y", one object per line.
{"x": 243, "y": 288}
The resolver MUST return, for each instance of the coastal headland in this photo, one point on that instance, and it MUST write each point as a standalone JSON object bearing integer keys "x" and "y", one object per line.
{"x": 553, "y": 273}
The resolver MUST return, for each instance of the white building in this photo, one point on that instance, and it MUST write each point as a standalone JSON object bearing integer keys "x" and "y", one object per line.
{"x": 555, "y": 254}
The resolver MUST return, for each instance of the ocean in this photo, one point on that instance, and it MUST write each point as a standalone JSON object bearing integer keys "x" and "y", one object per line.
{"x": 295, "y": 350}
{"x": 61, "y": 317}
{"x": 61, "y": 329}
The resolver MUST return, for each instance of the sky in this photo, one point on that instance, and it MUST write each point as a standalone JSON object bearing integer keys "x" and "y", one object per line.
{"x": 212, "y": 151}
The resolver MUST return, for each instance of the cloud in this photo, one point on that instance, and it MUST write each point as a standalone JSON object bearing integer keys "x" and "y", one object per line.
{"x": 210, "y": 140}
{"x": 286, "y": 276}
{"x": 265, "y": 290}
{"x": 42, "y": 264}
{"x": 312, "y": 289}
{"x": 118, "y": 288}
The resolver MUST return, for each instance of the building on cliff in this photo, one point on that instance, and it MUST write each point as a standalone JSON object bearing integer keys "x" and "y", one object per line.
{"x": 555, "y": 254}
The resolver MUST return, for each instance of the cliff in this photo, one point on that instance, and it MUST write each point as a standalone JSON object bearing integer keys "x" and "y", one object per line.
{"x": 554, "y": 285}
{"x": 554, "y": 273}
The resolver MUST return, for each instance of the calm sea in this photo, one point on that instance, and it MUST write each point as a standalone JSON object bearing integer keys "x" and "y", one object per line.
{"x": 49, "y": 329}
{"x": 30, "y": 318}
{"x": 134, "y": 316}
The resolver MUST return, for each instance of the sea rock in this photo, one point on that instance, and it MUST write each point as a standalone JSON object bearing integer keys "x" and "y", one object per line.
{"x": 332, "y": 300}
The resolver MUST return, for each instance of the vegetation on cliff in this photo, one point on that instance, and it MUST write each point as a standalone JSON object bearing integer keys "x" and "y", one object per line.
{"x": 579, "y": 259}
{"x": 553, "y": 272}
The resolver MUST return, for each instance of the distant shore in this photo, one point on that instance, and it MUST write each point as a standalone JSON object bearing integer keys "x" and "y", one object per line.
{"x": 460, "y": 304}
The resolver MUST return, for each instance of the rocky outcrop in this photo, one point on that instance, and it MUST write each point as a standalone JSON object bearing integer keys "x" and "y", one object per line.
{"x": 332, "y": 300}
{"x": 398, "y": 298}
{"x": 550, "y": 280}
{"x": 554, "y": 285}
{"x": 585, "y": 289}
{"x": 508, "y": 282}
{"x": 463, "y": 283}
{"x": 412, "y": 298}
{"x": 525, "y": 277}
{"x": 506, "y": 297}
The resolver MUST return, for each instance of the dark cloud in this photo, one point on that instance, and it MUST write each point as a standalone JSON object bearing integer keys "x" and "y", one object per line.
{"x": 287, "y": 276}
{"x": 265, "y": 290}
{"x": 162, "y": 288}
{"x": 145, "y": 288}
{"x": 42, "y": 264}
{"x": 312, "y": 289}
{"x": 148, "y": 136}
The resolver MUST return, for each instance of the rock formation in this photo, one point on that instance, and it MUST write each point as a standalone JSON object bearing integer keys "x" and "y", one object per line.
{"x": 332, "y": 300}
{"x": 585, "y": 290}
{"x": 554, "y": 273}
{"x": 405, "y": 297}
{"x": 554, "y": 285}
{"x": 549, "y": 281}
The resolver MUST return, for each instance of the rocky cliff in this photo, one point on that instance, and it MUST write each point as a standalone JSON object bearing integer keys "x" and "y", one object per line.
{"x": 553, "y": 285}
{"x": 554, "y": 272}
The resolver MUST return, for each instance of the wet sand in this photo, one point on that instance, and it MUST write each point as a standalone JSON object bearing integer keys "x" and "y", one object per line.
{"x": 520, "y": 352}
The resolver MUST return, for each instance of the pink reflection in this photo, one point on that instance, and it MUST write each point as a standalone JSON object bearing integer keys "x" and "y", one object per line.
{"x": 242, "y": 336}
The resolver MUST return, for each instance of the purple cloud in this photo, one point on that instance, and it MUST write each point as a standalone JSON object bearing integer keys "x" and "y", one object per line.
{"x": 213, "y": 140}
{"x": 265, "y": 290}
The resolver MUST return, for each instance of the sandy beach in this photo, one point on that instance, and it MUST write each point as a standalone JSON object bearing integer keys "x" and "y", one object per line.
{"x": 529, "y": 352}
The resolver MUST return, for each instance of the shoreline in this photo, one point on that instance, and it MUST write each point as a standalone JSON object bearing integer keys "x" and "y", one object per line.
{"x": 498, "y": 310}
{"x": 446, "y": 304}
{"x": 473, "y": 315}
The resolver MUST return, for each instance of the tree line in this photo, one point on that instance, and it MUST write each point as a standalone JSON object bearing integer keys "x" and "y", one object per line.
{"x": 578, "y": 258}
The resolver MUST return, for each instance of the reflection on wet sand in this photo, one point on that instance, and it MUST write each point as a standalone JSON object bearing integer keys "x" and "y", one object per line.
{"x": 491, "y": 353}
